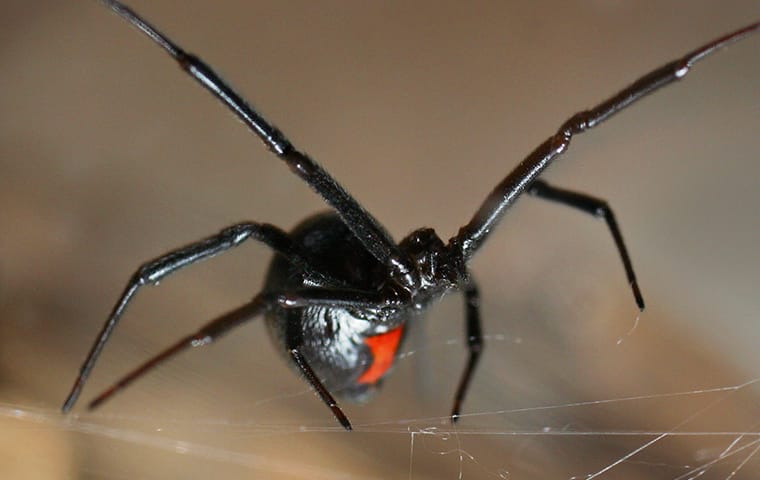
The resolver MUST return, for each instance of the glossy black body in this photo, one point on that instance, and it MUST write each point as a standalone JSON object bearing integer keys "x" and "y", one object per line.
{"x": 339, "y": 283}
{"x": 332, "y": 339}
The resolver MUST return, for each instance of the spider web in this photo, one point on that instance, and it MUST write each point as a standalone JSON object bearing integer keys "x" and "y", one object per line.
{"x": 581, "y": 402}
{"x": 697, "y": 435}
{"x": 573, "y": 382}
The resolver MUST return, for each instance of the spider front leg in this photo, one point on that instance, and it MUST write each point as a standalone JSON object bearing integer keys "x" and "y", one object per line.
{"x": 472, "y": 236}
{"x": 153, "y": 271}
{"x": 367, "y": 229}
{"x": 598, "y": 208}
{"x": 474, "y": 344}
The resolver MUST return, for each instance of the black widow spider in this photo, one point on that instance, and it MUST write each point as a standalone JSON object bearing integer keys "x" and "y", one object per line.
{"x": 339, "y": 290}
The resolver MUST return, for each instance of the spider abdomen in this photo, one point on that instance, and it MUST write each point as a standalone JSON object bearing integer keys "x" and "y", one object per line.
{"x": 350, "y": 349}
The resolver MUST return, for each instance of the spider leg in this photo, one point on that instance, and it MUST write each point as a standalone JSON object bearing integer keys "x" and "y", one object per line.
{"x": 367, "y": 229}
{"x": 262, "y": 302}
{"x": 318, "y": 386}
{"x": 153, "y": 271}
{"x": 205, "y": 335}
{"x": 331, "y": 298}
{"x": 474, "y": 345}
{"x": 598, "y": 208}
{"x": 471, "y": 236}
{"x": 336, "y": 298}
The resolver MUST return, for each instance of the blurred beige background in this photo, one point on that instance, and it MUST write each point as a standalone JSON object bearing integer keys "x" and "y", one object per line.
{"x": 109, "y": 156}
